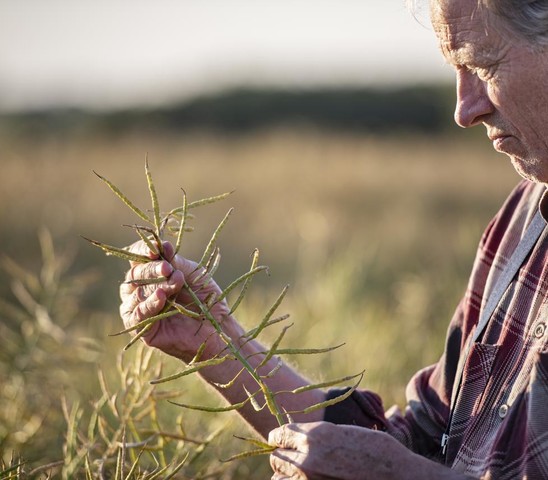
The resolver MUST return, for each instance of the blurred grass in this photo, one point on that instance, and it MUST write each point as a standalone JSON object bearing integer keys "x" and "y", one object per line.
{"x": 375, "y": 234}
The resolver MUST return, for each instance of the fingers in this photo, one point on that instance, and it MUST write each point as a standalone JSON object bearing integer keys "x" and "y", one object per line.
{"x": 287, "y": 464}
{"x": 287, "y": 459}
{"x": 281, "y": 476}
{"x": 147, "y": 285}
{"x": 141, "y": 248}
{"x": 143, "y": 300}
{"x": 155, "y": 269}
{"x": 132, "y": 293}
{"x": 151, "y": 306}
{"x": 137, "y": 311}
{"x": 131, "y": 300}
{"x": 290, "y": 436}
{"x": 169, "y": 250}
{"x": 143, "y": 271}
{"x": 137, "y": 276}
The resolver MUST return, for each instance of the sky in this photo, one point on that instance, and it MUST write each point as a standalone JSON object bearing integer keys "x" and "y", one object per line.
{"x": 111, "y": 54}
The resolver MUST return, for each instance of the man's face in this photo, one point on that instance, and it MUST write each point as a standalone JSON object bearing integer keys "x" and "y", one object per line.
{"x": 502, "y": 82}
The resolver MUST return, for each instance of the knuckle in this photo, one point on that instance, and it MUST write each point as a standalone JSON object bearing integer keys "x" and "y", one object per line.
{"x": 139, "y": 294}
{"x": 125, "y": 313}
{"x": 142, "y": 311}
{"x": 132, "y": 273}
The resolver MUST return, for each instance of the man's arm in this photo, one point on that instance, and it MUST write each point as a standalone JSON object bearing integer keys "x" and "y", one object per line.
{"x": 181, "y": 337}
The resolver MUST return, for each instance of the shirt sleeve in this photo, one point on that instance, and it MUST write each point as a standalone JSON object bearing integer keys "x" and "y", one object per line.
{"x": 424, "y": 419}
{"x": 422, "y": 423}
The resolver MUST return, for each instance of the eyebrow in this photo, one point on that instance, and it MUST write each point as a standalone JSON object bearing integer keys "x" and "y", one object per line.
{"x": 466, "y": 54}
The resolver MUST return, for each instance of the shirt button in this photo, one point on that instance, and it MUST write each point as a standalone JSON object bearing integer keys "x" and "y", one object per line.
{"x": 540, "y": 329}
{"x": 503, "y": 411}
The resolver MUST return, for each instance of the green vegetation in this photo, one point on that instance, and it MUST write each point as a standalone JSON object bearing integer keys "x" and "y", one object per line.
{"x": 175, "y": 222}
{"x": 375, "y": 234}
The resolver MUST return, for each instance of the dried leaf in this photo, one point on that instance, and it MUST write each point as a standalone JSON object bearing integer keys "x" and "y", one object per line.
{"x": 210, "y": 245}
{"x": 304, "y": 351}
{"x": 272, "y": 351}
{"x": 234, "y": 406}
{"x": 134, "y": 465}
{"x": 146, "y": 281}
{"x": 254, "y": 441}
{"x": 274, "y": 370}
{"x": 253, "y": 332}
{"x": 205, "y": 201}
{"x": 224, "y": 386}
{"x": 264, "y": 322}
{"x": 138, "y": 336}
{"x": 124, "y": 199}
{"x": 252, "y": 400}
{"x": 190, "y": 369}
{"x": 271, "y": 403}
{"x": 145, "y": 238}
{"x": 246, "y": 276}
{"x": 181, "y": 225}
{"x": 332, "y": 401}
{"x": 329, "y": 383}
{"x": 148, "y": 322}
{"x": 177, "y": 467}
{"x": 210, "y": 267}
{"x": 118, "y": 252}
{"x": 153, "y": 198}
{"x": 250, "y": 453}
{"x": 185, "y": 311}
{"x": 245, "y": 286}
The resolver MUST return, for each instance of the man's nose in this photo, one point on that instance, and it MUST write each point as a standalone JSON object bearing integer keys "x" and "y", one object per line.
{"x": 473, "y": 102}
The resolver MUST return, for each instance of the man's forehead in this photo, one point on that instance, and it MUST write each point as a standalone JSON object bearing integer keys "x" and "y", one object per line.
{"x": 460, "y": 26}
{"x": 453, "y": 19}
{"x": 456, "y": 8}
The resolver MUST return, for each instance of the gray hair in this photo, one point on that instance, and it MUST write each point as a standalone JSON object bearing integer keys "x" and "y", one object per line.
{"x": 528, "y": 18}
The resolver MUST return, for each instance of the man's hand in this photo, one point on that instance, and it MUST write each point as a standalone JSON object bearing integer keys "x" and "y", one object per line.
{"x": 181, "y": 336}
{"x": 322, "y": 450}
{"x": 177, "y": 335}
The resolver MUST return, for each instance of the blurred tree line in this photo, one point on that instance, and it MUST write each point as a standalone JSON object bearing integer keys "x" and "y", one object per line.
{"x": 424, "y": 108}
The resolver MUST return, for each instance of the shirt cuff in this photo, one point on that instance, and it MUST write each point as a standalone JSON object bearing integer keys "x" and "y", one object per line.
{"x": 362, "y": 408}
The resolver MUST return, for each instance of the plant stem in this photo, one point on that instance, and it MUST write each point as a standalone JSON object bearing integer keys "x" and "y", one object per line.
{"x": 269, "y": 396}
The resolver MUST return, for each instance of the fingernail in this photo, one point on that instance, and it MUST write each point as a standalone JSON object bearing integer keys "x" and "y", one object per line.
{"x": 164, "y": 269}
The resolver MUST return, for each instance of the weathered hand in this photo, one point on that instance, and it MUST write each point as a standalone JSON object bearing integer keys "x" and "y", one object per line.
{"x": 322, "y": 450}
{"x": 177, "y": 335}
{"x": 316, "y": 450}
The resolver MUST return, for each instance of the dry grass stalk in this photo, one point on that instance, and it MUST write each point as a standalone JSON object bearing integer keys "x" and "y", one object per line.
{"x": 176, "y": 220}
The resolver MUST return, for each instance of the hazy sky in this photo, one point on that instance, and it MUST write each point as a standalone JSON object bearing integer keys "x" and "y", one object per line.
{"x": 116, "y": 53}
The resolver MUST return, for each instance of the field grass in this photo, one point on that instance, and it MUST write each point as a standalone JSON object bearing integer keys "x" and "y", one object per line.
{"x": 376, "y": 236}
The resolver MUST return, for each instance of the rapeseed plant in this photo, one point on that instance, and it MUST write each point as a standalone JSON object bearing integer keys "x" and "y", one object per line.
{"x": 175, "y": 222}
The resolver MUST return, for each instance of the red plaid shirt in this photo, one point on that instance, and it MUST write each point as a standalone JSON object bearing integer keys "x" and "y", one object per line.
{"x": 500, "y": 421}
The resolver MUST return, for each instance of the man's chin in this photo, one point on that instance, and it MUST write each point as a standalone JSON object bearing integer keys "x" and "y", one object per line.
{"x": 535, "y": 170}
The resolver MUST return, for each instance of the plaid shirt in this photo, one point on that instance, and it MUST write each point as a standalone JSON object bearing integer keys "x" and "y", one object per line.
{"x": 499, "y": 428}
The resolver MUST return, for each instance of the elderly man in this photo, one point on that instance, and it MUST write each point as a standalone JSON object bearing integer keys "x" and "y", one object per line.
{"x": 480, "y": 411}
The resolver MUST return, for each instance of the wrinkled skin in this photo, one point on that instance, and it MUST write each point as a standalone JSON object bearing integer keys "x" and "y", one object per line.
{"x": 321, "y": 450}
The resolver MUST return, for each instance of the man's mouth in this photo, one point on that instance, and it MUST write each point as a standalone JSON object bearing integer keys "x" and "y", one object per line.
{"x": 498, "y": 139}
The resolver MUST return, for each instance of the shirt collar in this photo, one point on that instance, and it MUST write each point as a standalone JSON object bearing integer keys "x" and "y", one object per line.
{"x": 543, "y": 205}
